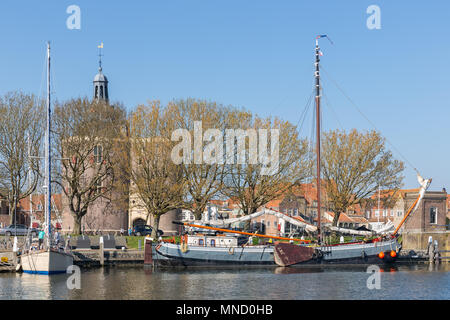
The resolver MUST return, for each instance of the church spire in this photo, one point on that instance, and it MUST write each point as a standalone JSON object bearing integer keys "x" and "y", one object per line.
{"x": 100, "y": 81}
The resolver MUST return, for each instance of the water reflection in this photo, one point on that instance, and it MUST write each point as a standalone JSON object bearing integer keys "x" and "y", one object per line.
{"x": 312, "y": 282}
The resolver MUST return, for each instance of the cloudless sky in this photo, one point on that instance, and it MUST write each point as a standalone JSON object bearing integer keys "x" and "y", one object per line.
{"x": 255, "y": 54}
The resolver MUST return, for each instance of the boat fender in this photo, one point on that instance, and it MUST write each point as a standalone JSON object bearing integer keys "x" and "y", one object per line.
{"x": 318, "y": 254}
{"x": 184, "y": 247}
{"x": 231, "y": 250}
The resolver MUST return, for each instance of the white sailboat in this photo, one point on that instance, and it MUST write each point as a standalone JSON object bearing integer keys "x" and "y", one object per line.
{"x": 53, "y": 258}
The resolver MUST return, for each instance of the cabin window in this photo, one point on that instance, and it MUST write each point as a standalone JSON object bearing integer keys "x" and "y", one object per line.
{"x": 433, "y": 215}
{"x": 200, "y": 242}
{"x": 213, "y": 243}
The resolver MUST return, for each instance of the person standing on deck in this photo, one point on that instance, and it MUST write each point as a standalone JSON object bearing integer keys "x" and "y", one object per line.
{"x": 41, "y": 238}
{"x": 57, "y": 237}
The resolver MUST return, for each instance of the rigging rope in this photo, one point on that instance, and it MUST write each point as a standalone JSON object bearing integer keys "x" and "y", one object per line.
{"x": 367, "y": 119}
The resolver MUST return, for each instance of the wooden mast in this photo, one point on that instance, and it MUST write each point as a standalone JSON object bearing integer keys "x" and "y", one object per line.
{"x": 317, "y": 77}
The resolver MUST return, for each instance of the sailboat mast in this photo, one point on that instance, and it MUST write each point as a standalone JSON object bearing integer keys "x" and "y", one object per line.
{"x": 317, "y": 77}
{"x": 48, "y": 151}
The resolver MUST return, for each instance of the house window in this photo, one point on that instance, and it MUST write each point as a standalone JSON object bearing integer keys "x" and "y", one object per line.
{"x": 98, "y": 186}
{"x": 399, "y": 213}
{"x": 392, "y": 213}
{"x": 367, "y": 214}
{"x": 295, "y": 212}
{"x": 433, "y": 215}
{"x": 377, "y": 213}
{"x": 98, "y": 154}
{"x": 384, "y": 213}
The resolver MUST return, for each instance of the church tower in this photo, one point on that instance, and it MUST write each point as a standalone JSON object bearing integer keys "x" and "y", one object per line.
{"x": 100, "y": 81}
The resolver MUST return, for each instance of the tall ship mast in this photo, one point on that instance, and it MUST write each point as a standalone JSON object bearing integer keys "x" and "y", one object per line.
{"x": 317, "y": 78}
{"x": 54, "y": 257}
{"x": 48, "y": 159}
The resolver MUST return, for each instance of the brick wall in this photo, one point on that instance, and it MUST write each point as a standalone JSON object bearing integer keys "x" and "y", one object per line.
{"x": 419, "y": 221}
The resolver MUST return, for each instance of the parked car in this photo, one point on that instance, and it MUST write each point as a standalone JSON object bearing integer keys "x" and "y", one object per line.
{"x": 143, "y": 230}
{"x": 18, "y": 230}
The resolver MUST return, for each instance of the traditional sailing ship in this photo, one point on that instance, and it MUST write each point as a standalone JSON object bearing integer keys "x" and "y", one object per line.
{"x": 220, "y": 249}
{"x": 53, "y": 258}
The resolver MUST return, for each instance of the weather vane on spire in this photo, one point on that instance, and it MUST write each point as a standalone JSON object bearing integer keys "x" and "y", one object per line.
{"x": 100, "y": 47}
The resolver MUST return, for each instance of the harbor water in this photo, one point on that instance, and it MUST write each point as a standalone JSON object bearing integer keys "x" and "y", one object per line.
{"x": 420, "y": 281}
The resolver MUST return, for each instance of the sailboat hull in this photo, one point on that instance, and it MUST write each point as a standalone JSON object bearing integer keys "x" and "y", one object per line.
{"x": 46, "y": 262}
{"x": 357, "y": 253}
{"x": 168, "y": 254}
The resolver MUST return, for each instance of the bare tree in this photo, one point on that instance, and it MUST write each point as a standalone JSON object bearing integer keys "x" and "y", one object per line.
{"x": 249, "y": 182}
{"x": 354, "y": 166}
{"x": 90, "y": 136}
{"x": 21, "y": 123}
{"x": 156, "y": 182}
{"x": 204, "y": 179}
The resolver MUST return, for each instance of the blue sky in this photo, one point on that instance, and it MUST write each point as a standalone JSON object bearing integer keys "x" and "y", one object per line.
{"x": 252, "y": 54}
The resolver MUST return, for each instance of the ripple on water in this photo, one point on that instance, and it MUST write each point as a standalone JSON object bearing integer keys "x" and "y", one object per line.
{"x": 342, "y": 283}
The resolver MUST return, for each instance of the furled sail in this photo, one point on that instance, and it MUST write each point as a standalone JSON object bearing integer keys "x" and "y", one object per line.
{"x": 308, "y": 227}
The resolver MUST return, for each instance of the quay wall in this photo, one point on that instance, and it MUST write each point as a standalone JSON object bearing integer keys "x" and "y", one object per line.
{"x": 93, "y": 257}
{"x": 419, "y": 240}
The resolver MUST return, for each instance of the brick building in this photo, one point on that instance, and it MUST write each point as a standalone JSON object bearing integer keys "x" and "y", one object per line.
{"x": 104, "y": 215}
{"x": 431, "y": 213}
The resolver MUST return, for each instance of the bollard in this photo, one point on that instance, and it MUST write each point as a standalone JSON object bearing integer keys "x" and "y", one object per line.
{"x": 436, "y": 252}
{"x": 139, "y": 244}
{"x": 430, "y": 252}
{"x": 148, "y": 255}
{"x": 101, "y": 253}
{"x": 15, "y": 248}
